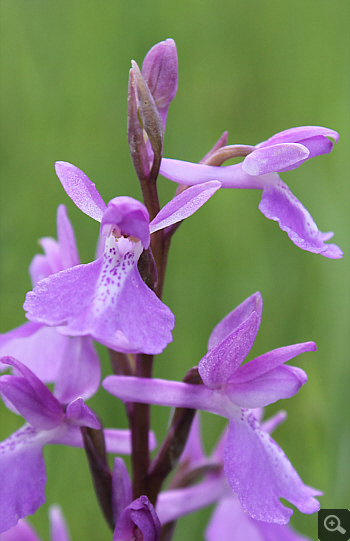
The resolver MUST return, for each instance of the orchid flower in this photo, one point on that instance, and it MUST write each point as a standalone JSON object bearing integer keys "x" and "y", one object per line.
{"x": 69, "y": 362}
{"x": 107, "y": 299}
{"x": 259, "y": 170}
{"x": 22, "y": 470}
{"x": 255, "y": 466}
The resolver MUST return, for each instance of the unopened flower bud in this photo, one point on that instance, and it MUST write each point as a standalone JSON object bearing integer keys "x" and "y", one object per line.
{"x": 160, "y": 71}
{"x": 148, "y": 113}
{"x": 137, "y": 144}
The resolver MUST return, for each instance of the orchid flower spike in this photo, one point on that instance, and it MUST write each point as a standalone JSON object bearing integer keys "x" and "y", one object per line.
{"x": 107, "y": 299}
{"x": 255, "y": 467}
{"x": 71, "y": 363}
{"x": 259, "y": 170}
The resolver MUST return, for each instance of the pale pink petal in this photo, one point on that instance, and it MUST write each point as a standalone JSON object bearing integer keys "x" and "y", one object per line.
{"x": 21, "y": 532}
{"x": 221, "y": 361}
{"x": 58, "y": 526}
{"x": 281, "y": 382}
{"x": 80, "y": 371}
{"x": 78, "y": 413}
{"x": 161, "y": 392}
{"x": 173, "y": 504}
{"x": 274, "y": 158}
{"x": 31, "y": 398}
{"x": 22, "y": 474}
{"x": 298, "y": 134}
{"x": 279, "y": 204}
{"x": 260, "y": 473}
{"x": 40, "y": 348}
{"x": 184, "y": 205}
{"x": 121, "y": 488}
{"x": 241, "y": 313}
{"x": 66, "y": 240}
{"x": 81, "y": 190}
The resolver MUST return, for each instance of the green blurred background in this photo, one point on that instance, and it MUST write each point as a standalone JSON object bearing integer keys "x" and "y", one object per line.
{"x": 252, "y": 68}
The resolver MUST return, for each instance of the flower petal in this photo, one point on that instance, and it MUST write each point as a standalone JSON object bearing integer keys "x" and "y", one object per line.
{"x": 221, "y": 361}
{"x": 274, "y": 158}
{"x": 30, "y": 397}
{"x": 80, "y": 371}
{"x": 273, "y": 422}
{"x": 241, "y": 313}
{"x": 80, "y": 414}
{"x": 260, "y": 473}
{"x": 159, "y": 70}
{"x": 81, "y": 190}
{"x": 229, "y": 521}
{"x": 139, "y": 513}
{"x": 193, "y": 451}
{"x": 41, "y": 265}
{"x": 316, "y": 146}
{"x": 21, "y": 532}
{"x": 184, "y": 205}
{"x": 263, "y": 364}
{"x": 58, "y": 525}
{"x": 66, "y": 239}
{"x": 130, "y": 216}
{"x": 279, "y": 204}
{"x": 121, "y": 488}
{"x": 22, "y": 474}
{"x": 296, "y": 135}
{"x": 61, "y": 297}
{"x": 118, "y": 441}
{"x": 159, "y": 391}
{"x": 173, "y": 504}
{"x": 40, "y": 348}
{"x": 281, "y": 382}
{"x": 230, "y": 176}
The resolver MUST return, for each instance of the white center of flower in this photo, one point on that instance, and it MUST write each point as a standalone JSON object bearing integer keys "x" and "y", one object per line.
{"x": 121, "y": 254}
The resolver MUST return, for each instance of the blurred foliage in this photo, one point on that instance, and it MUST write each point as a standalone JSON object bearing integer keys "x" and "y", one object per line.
{"x": 253, "y": 68}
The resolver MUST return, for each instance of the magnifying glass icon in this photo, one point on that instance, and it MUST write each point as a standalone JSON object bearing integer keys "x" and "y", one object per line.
{"x": 332, "y": 524}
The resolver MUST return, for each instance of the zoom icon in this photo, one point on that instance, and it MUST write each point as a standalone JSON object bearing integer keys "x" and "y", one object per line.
{"x": 334, "y": 524}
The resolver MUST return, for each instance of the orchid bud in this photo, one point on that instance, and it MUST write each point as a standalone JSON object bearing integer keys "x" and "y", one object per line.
{"x": 160, "y": 70}
{"x": 148, "y": 112}
{"x": 137, "y": 144}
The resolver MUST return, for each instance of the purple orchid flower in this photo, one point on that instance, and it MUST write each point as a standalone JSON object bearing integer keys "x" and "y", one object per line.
{"x": 259, "y": 170}
{"x": 255, "y": 467}
{"x": 107, "y": 299}
{"x": 69, "y": 362}
{"x": 22, "y": 470}
{"x": 24, "y": 532}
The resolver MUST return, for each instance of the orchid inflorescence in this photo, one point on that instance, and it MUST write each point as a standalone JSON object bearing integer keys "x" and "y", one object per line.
{"x": 116, "y": 301}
